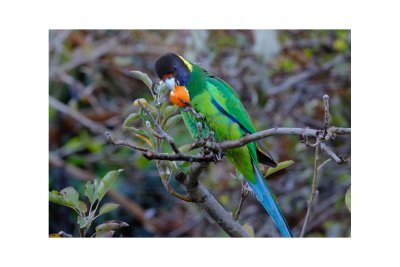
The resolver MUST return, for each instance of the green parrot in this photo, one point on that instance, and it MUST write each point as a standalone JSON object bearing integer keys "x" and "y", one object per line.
{"x": 227, "y": 118}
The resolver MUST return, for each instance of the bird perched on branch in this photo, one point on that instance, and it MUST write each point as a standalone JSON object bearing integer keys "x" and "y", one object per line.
{"x": 224, "y": 114}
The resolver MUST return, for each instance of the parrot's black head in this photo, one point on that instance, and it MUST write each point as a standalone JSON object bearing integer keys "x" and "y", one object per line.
{"x": 173, "y": 66}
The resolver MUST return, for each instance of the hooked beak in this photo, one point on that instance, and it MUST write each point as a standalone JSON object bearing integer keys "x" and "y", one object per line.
{"x": 169, "y": 81}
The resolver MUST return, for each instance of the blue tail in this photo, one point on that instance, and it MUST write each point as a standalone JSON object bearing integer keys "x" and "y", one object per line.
{"x": 264, "y": 195}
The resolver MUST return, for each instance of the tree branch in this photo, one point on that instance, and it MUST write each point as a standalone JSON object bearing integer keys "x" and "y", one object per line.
{"x": 314, "y": 192}
{"x": 63, "y": 108}
{"x": 205, "y": 200}
{"x": 243, "y": 196}
{"x": 304, "y": 75}
{"x": 303, "y": 132}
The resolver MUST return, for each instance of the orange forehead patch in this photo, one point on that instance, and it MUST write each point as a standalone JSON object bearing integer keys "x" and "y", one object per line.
{"x": 180, "y": 96}
{"x": 168, "y": 75}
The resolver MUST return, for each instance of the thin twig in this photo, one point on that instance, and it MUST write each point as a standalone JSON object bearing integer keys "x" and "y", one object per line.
{"x": 331, "y": 154}
{"x": 314, "y": 192}
{"x": 124, "y": 143}
{"x": 323, "y": 164}
{"x": 327, "y": 115}
{"x": 245, "y": 193}
{"x": 170, "y": 190}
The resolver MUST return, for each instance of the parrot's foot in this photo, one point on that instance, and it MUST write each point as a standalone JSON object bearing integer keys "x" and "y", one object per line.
{"x": 189, "y": 107}
{"x": 218, "y": 156}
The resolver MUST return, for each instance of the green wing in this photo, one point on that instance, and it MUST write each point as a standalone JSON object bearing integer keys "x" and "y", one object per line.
{"x": 227, "y": 98}
{"x": 191, "y": 123}
{"x": 228, "y": 102}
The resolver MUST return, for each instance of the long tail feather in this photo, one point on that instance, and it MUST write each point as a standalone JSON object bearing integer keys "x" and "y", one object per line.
{"x": 265, "y": 196}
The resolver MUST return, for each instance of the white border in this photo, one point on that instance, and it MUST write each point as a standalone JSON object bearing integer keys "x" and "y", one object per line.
{"x": 24, "y": 111}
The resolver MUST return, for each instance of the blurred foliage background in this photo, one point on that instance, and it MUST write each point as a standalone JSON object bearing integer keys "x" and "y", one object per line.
{"x": 280, "y": 76}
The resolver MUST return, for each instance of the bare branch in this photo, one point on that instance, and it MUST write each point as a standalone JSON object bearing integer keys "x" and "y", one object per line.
{"x": 243, "y": 196}
{"x": 124, "y": 143}
{"x": 81, "y": 56}
{"x": 321, "y": 144}
{"x": 266, "y": 133}
{"x": 314, "y": 192}
{"x": 304, "y": 75}
{"x": 202, "y": 197}
{"x": 303, "y": 132}
{"x": 178, "y": 157}
{"x": 327, "y": 115}
{"x": 338, "y": 130}
{"x": 331, "y": 154}
{"x": 61, "y": 107}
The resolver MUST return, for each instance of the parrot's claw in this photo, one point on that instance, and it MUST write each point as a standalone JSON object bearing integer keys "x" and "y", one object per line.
{"x": 218, "y": 156}
{"x": 189, "y": 107}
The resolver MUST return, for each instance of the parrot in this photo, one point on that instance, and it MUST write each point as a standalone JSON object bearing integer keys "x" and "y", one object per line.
{"x": 225, "y": 115}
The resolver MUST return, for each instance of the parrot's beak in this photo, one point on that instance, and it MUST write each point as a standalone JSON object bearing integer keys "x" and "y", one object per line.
{"x": 169, "y": 81}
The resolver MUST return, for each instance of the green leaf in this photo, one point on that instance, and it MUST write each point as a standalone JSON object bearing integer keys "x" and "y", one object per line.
{"x": 56, "y": 197}
{"x": 172, "y": 121}
{"x": 89, "y": 191}
{"x": 108, "y": 207}
{"x": 139, "y": 132}
{"x": 110, "y": 225}
{"x": 184, "y": 164}
{"x": 281, "y": 165}
{"x": 163, "y": 175}
{"x": 169, "y": 110}
{"x": 82, "y": 207}
{"x": 146, "y": 117}
{"x": 82, "y": 222}
{"x": 70, "y": 194}
{"x": 173, "y": 166}
{"x": 131, "y": 119}
{"x": 106, "y": 183}
{"x": 143, "y": 77}
{"x": 140, "y": 102}
{"x": 347, "y": 199}
{"x": 85, "y": 222}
